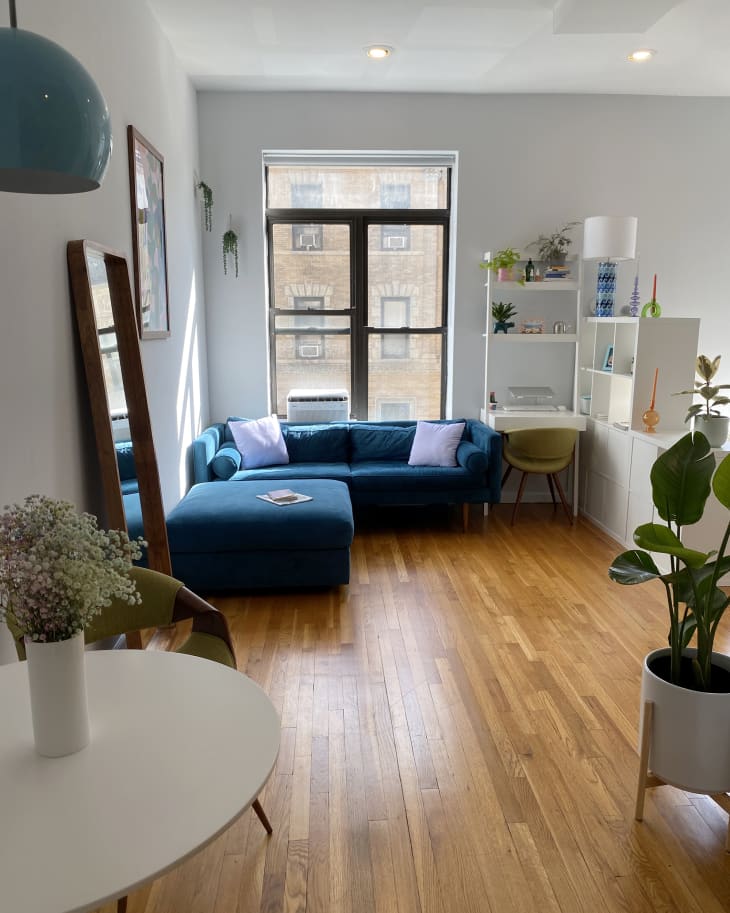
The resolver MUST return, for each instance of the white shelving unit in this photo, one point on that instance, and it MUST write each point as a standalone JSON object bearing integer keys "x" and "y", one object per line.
{"x": 638, "y": 346}
{"x": 616, "y": 452}
{"x": 539, "y": 359}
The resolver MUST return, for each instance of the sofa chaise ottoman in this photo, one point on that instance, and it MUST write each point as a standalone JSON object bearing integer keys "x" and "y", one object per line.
{"x": 222, "y": 537}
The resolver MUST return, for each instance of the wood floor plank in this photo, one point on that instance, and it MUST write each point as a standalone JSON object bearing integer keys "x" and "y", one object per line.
{"x": 459, "y": 731}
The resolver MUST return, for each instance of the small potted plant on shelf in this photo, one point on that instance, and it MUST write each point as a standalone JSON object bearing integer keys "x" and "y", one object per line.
{"x": 502, "y": 263}
{"x": 553, "y": 248}
{"x": 501, "y": 314}
{"x": 685, "y": 692}
{"x": 707, "y": 418}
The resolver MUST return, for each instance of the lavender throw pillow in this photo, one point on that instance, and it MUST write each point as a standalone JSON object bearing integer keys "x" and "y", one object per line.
{"x": 435, "y": 444}
{"x": 260, "y": 442}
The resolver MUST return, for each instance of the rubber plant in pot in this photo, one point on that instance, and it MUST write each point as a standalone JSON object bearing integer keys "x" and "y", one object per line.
{"x": 502, "y": 263}
{"x": 685, "y": 692}
{"x": 707, "y": 417}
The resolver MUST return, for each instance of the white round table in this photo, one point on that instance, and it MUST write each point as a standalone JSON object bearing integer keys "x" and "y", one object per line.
{"x": 180, "y": 746}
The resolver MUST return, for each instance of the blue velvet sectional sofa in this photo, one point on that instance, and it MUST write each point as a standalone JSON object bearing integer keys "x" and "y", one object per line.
{"x": 371, "y": 458}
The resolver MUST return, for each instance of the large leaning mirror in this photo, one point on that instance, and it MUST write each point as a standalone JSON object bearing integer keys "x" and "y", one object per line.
{"x": 109, "y": 342}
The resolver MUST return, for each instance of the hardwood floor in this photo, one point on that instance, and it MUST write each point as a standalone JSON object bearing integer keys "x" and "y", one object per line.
{"x": 458, "y": 734}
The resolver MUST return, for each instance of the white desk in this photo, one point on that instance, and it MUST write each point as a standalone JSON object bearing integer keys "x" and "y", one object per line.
{"x": 503, "y": 420}
{"x": 180, "y": 746}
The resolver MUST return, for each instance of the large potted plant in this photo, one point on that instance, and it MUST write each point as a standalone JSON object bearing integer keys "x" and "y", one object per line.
{"x": 553, "y": 248}
{"x": 687, "y": 687}
{"x": 707, "y": 417}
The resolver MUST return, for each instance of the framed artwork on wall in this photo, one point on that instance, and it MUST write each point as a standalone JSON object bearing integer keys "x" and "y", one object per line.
{"x": 608, "y": 359}
{"x": 147, "y": 196}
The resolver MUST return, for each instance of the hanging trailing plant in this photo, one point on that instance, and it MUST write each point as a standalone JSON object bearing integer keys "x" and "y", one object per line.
{"x": 230, "y": 246}
{"x": 207, "y": 205}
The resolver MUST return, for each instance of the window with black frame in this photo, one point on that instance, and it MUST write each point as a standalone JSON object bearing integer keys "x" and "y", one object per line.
{"x": 358, "y": 282}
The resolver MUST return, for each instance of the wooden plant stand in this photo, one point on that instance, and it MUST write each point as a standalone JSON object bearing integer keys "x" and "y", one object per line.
{"x": 647, "y": 779}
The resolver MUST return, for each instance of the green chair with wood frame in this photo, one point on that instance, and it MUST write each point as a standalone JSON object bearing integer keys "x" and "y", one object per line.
{"x": 541, "y": 451}
{"x": 165, "y": 601}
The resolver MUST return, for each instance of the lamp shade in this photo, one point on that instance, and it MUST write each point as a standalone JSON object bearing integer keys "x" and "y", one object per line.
{"x": 55, "y": 131}
{"x": 610, "y": 238}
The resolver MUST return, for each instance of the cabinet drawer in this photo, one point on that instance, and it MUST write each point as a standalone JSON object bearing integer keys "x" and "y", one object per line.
{"x": 606, "y": 502}
{"x": 640, "y": 510}
{"x": 611, "y": 454}
{"x": 643, "y": 456}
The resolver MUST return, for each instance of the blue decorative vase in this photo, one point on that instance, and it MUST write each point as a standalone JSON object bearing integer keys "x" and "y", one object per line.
{"x": 501, "y": 326}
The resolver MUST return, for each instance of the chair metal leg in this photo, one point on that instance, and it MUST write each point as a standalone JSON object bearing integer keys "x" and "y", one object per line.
{"x": 256, "y": 805}
{"x": 520, "y": 491}
{"x": 568, "y": 511}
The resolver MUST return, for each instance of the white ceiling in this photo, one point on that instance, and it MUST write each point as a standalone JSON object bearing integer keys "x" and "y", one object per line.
{"x": 487, "y": 46}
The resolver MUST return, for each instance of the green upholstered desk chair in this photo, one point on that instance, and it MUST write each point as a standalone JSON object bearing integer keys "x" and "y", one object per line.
{"x": 164, "y": 602}
{"x": 545, "y": 451}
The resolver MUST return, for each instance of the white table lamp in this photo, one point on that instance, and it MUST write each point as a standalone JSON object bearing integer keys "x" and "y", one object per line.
{"x": 608, "y": 239}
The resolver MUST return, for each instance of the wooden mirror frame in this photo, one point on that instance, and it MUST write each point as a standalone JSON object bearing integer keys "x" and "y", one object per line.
{"x": 130, "y": 361}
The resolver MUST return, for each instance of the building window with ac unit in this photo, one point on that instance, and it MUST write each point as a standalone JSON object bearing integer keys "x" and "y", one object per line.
{"x": 395, "y": 196}
{"x": 395, "y": 237}
{"x": 307, "y": 237}
{"x": 395, "y": 411}
{"x": 395, "y": 313}
{"x": 308, "y": 345}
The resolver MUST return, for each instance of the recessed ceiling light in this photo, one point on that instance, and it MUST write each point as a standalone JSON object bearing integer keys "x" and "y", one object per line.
{"x": 378, "y": 51}
{"x": 641, "y": 55}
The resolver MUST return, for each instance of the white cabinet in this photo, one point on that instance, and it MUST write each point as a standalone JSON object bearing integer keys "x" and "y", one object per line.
{"x": 546, "y": 359}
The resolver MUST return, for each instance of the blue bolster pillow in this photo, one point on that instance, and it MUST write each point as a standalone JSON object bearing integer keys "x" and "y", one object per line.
{"x": 472, "y": 458}
{"x": 226, "y": 462}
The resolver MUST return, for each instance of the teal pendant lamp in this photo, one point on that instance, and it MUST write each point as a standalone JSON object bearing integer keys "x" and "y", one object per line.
{"x": 55, "y": 131}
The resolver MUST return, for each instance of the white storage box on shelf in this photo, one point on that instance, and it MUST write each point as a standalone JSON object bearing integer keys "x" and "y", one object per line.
{"x": 317, "y": 405}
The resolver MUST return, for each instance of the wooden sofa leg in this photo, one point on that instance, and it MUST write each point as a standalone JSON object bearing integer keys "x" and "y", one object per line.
{"x": 465, "y": 516}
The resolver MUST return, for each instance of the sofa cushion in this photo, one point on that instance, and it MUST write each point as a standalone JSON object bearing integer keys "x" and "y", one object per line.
{"x": 226, "y": 462}
{"x": 337, "y": 471}
{"x": 260, "y": 442}
{"x": 125, "y": 460}
{"x": 380, "y": 442}
{"x": 472, "y": 458}
{"x": 227, "y": 433}
{"x": 317, "y": 444}
{"x": 435, "y": 444}
{"x": 381, "y": 475}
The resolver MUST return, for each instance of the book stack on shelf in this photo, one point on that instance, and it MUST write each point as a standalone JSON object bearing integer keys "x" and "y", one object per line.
{"x": 556, "y": 272}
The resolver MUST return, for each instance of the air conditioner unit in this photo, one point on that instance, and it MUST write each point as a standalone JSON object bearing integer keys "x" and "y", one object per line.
{"x": 310, "y": 350}
{"x": 395, "y": 241}
{"x": 317, "y": 405}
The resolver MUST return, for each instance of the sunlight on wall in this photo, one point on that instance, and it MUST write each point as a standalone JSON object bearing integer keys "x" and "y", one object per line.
{"x": 188, "y": 389}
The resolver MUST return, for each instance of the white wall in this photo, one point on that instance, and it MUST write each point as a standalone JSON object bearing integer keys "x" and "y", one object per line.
{"x": 47, "y": 440}
{"x": 526, "y": 165}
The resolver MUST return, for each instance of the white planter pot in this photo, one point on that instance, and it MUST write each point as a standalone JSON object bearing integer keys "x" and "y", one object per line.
{"x": 58, "y": 703}
{"x": 690, "y": 737}
{"x": 714, "y": 428}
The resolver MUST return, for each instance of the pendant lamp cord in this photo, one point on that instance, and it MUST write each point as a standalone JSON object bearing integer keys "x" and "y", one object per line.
{"x": 13, "y": 15}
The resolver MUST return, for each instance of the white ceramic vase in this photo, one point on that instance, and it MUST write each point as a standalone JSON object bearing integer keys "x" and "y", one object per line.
{"x": 714, "y": 428}
{"x": 58, "y": 703}
{"x": 690, "y": 738}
